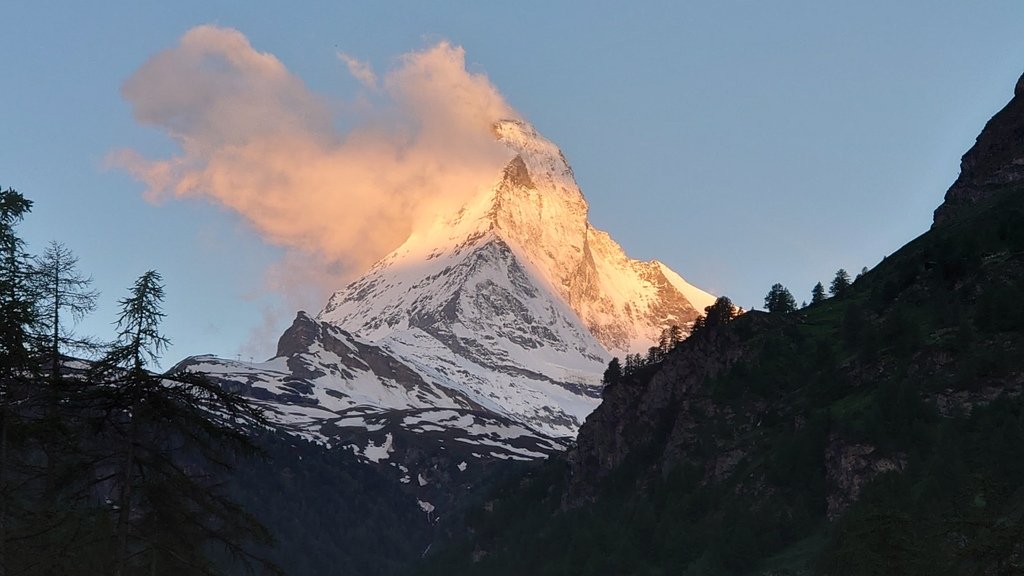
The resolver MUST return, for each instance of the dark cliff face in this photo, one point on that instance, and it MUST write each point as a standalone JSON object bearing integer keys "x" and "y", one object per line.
{"x": 303, "y": 332}
{"x": 654, "y": 413}
{"x": 995, "y": 161}
{"x": 724, "y": 400}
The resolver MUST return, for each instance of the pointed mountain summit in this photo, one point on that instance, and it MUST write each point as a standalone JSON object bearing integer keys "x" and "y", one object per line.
{"x": 537, "y": 213}
{"x": 508, "y": 310}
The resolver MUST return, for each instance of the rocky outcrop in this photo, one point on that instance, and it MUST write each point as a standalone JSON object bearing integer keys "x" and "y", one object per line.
{"x": 671, "y": 416}
{"x": 349, "y": 356}
{"x": 517, "y": 174}
{"x": 658, "y": 417}
{"x": 995, "y": 161}
{"x": 849, "y": 467}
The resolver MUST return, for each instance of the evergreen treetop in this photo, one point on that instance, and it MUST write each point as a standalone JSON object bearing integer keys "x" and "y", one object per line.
{"x": 840, "y": 284}
{"x": 817, "y": 293}
{"x": 779, "y": 300}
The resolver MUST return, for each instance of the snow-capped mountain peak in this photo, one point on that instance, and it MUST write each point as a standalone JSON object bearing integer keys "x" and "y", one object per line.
{"x": 536, "y": 209}
{"x": 511, "y": 305}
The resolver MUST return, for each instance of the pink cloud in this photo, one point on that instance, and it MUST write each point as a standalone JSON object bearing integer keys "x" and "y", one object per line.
{"x": 253, "y": 138}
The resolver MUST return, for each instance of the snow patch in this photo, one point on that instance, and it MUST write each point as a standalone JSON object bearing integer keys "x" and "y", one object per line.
{"x": 375, "y": 453}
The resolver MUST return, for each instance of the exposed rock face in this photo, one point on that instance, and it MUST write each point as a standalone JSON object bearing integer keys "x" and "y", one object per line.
{"x": 305, "y": 334}
{"x": 661, "y": 416}
{"x": 671, "y": 417}
{"x": 849, "y": 467}
{"x": 995, "y": 160}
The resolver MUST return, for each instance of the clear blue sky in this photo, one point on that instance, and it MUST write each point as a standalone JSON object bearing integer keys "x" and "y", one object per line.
{"x": 742, "y": 143}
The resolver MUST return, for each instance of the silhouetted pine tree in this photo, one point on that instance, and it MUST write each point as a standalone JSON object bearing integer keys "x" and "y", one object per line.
{"x": 169, "y": 435}
{"x": 17, "y": 315}
{"x": 840, "y": 284}
{"x": 64, "y": 297}
{"x": 613, "y": 373}
{"x": 817, "y": 293}
{"x": 779, "y": 300}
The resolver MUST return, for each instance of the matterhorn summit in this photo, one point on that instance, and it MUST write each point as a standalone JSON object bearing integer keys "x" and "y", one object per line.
{"x": 488, "y": 327}
{"x": 536, "y": 214}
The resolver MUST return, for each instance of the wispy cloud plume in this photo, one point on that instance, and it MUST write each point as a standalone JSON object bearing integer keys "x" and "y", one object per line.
{"x": 359, "y": 70}
{"x": 253, "y": 138}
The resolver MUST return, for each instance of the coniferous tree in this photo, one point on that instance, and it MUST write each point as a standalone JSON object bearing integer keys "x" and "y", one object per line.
{"x": 17, "y": 315}
{"x": 612, "y": 374}
{"x": 699, "y": 323}
{"x": 653, "y": 355}
{"x": 65, "y": 297}
{"x": 840, "y": 284}
{"x": 43, "y": 505}
{"x": 17, "y": 306}
{"x": 720, "y": 313}
{"x": 817, "y": 293}
{"x": 779, "y": 300}
{"x": 151, "y": 443}
{"x": 670, "y": 338}
{"x": 139, "y": 339}
{"x": 675, "y": 335}
{"x": 629, "y": 365}
{"x": 170, "y": 434}
{"x": 665, "y": 341}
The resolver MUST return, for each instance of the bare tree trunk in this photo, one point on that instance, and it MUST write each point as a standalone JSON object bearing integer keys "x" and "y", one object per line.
{"x": 3, "y": 488}
{"x": 124, "y": 513}
{"x": 50, "y": 415}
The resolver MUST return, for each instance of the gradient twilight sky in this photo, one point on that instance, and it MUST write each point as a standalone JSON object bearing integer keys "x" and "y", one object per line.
{"x": 741, "y": 143}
